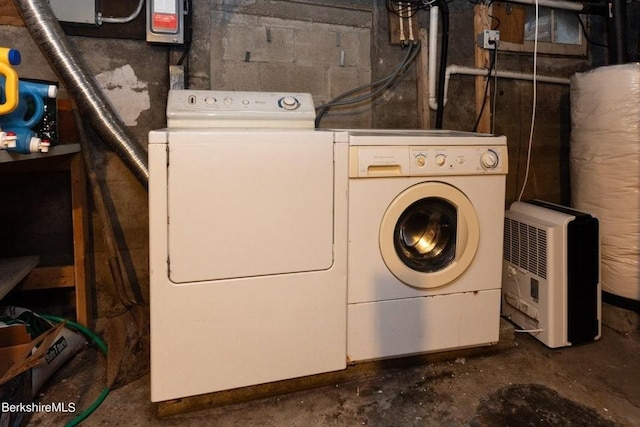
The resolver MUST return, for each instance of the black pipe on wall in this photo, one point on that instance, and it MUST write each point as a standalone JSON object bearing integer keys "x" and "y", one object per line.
{"x": 616, "y": 28}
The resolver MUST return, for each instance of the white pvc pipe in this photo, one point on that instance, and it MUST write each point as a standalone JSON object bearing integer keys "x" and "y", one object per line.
{"x": 471, "y": 71}
{"x": 433, "y": 56}
{"x": 556, "y": 4}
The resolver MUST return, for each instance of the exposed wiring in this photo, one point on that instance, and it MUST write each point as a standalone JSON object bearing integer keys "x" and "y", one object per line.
{"x": 494, "y": 98}
{"x": 188, "y": 35}
{"x": 386, "y": 81}
{"x": 112, "y": 20}
{"x": 535, "y": 96}
{"x": 102, "y": 346}
{"x": 185, "y": 52}
{"x": 382, "y": 84}
{"x": 495, "y": 90}
{"x": 497, "y": 22}
{"x": 492, "y": 65}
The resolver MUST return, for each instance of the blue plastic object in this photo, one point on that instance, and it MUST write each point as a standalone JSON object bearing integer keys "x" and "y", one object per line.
{"x": 27, "y": 141}
{"x": 31, "y": 108}
{"x": 14, "y": 57}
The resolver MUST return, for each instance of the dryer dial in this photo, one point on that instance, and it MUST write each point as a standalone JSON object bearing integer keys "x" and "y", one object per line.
{"x": 288, "y": 103}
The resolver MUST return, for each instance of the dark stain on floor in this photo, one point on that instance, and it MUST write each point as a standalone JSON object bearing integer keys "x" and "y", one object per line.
{"x": 534, "y": 405}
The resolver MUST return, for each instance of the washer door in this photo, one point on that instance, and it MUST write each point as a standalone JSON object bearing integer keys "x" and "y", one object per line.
{"x": 429, "y": 235}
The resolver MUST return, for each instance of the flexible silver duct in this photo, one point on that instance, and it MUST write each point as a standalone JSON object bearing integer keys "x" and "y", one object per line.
{"x": 81, "y": 84}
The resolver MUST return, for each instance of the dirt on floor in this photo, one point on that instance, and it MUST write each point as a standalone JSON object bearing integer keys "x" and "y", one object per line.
{"x": 523, "y": 384}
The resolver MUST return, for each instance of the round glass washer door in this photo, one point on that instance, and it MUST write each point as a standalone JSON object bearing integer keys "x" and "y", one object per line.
{"x": 429, "y": 235}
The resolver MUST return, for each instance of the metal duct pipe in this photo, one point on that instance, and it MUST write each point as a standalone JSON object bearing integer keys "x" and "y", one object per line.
{"x": 81, "y": 84}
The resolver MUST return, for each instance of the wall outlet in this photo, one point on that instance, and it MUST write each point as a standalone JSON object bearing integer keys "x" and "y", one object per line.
{"x": 489, "y": 39}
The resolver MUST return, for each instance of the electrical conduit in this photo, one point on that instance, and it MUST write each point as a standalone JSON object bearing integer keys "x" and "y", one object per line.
{"x": 81, "y": 84}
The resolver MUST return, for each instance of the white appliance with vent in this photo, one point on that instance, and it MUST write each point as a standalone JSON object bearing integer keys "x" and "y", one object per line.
{"x": 551, "y": 272}
{"x": 426, "y": 213}
{"x": 248, "y": 241}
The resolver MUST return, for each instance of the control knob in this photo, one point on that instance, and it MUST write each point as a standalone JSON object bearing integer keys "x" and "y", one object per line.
{"x": 441, "y": 159}
{"x": 489, "y": 160}
{"x": 288, "y": 103}
{"x": 421, "y": 160}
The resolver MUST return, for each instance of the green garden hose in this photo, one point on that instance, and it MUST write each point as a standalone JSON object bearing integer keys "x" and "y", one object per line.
{"x": 102, "y": 346}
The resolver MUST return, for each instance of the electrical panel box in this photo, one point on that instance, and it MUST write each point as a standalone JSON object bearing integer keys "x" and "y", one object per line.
{"x": 551, "y": 273}
{"x": 166, "y": 21}
{"x": 78, "y": 11}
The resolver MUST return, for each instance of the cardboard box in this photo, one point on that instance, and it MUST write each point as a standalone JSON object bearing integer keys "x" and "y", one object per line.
{"x": 16, "y": 349}
{"x": 18, "y": 355}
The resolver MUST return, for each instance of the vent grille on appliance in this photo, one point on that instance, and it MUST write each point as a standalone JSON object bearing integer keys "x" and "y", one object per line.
{"x": 526, "y": 247}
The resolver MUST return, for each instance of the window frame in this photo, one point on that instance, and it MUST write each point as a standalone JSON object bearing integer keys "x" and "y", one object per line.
{"x": 551, "y": 48}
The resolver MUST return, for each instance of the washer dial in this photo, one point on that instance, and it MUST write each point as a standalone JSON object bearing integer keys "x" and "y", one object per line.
{"x": 489, "y": 160}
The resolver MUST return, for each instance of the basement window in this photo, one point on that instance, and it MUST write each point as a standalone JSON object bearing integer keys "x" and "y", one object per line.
{"x": 559, "y": 31}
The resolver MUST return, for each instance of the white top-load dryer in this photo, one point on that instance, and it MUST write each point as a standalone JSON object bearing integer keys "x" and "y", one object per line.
{"x": 247, "y": 243}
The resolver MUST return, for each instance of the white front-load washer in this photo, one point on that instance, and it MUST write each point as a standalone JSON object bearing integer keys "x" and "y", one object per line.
{"x": 426, "y": 213}
{"x": 248, "y": 232}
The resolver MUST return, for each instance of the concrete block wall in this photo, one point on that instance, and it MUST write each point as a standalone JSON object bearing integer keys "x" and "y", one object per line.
{"x": 264, "y": 53}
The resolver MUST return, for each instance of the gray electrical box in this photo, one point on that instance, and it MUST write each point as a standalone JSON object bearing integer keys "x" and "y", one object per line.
{"x": 78, "y": 11}
{"x": 165, "y": 21}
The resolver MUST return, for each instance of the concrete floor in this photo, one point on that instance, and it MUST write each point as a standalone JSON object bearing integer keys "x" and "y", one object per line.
{"x": 520, "y": 383}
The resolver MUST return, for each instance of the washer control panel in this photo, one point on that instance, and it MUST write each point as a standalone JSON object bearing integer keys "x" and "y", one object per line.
{"x": 457, "y": 160}
{"x": 212, "y": 108}
{"x": 372, "y": 161}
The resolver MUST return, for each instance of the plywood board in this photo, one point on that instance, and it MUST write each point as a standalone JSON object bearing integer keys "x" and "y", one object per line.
{"x": 9, "y": 14}
{"x": 13, "y": 270}
{"x": 509, "y": 20}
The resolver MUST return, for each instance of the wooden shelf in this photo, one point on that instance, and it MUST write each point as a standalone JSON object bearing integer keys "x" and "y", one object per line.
{"x": 13, "y": 270}
{"x": 66, "y": 157}
{"x": 57, "y": 150}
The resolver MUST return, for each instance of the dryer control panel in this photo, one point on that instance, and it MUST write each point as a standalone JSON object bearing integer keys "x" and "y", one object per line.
{"x": 385, "y": 161}
{"x": 237, "y": 109}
